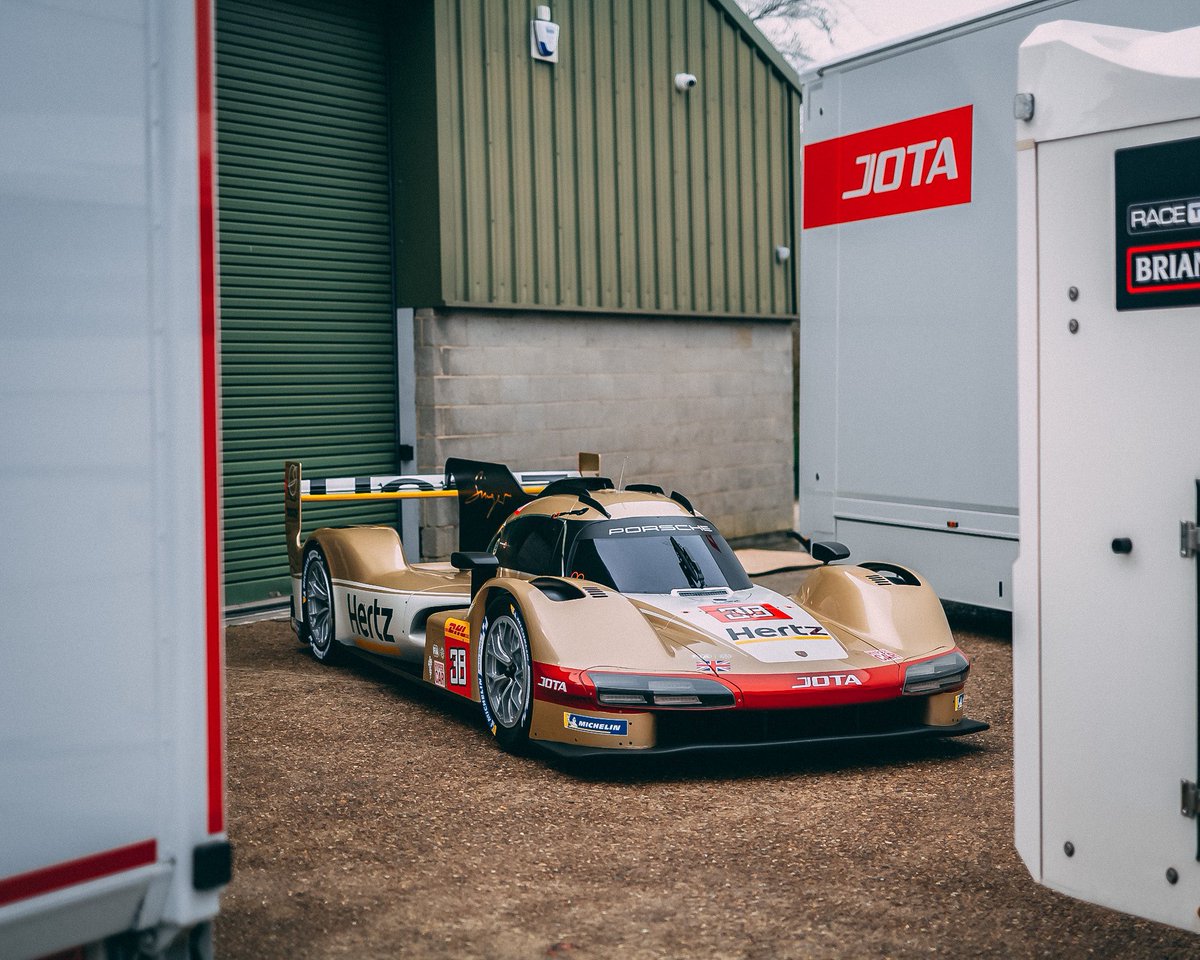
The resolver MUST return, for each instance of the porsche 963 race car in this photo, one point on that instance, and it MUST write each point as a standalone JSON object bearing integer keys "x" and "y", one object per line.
{"x": 591, "y": 619}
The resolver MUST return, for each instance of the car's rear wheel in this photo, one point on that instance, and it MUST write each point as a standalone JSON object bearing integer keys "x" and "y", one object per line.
{"x": 506, "y": 674}
{"x": 316, "y": 603}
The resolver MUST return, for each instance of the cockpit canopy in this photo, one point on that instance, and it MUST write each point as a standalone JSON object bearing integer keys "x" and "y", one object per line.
{"x": 654, "y": 554}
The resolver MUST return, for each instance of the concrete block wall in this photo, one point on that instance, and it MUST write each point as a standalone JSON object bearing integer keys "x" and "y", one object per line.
{"x": 695, "y": 405}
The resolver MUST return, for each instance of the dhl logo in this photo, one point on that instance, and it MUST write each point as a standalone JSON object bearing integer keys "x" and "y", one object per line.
{"x": 458, "y": 630}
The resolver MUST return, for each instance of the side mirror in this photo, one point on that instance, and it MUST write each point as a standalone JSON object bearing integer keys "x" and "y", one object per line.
{"x": 827, "y": 551}
{"x": 482, "y": 565}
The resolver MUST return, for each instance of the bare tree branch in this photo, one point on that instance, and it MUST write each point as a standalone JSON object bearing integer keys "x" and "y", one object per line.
{"x": 790, "y": 25}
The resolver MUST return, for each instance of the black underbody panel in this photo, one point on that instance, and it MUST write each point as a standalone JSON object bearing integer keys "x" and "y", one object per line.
{"x": 784, "y": 732}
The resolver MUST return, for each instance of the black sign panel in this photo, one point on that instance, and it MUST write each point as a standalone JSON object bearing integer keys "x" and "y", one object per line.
{"x": 1158, "y": 225}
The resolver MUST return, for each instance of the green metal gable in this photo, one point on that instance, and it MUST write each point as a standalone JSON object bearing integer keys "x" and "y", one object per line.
{"x": 593, "y": 184}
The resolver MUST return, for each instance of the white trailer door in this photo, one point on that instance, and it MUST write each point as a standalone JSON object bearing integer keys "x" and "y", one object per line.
{"x": 1120, "y": 442}
{"x": 1117, "y": 466}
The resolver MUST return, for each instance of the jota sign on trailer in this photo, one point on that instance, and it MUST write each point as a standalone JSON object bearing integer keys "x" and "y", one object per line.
{"x": 917, "y": 164}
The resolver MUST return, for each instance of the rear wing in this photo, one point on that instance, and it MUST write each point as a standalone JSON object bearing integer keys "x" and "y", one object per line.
{"x": 488, "y": 493}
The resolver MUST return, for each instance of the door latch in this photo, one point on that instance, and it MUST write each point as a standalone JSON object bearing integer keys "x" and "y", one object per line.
{"x": 1189, "y": 799}
{"x": 1189, "y": 539}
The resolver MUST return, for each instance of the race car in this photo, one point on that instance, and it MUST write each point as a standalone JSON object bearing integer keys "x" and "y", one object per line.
{"x": 590, "y": 619}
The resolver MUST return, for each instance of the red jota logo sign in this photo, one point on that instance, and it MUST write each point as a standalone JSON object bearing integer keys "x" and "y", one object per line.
{"x": 912, "y": 165}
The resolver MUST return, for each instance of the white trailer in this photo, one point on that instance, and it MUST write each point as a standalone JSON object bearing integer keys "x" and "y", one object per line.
{"x": 112, "y": 822}
{"x": 1105, "y": 600}
{"x": 908, "y": 361}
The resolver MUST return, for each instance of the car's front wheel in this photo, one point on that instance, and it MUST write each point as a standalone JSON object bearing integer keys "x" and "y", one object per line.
{"x": 506, "y": 674}
{"x": 316, "y": 600}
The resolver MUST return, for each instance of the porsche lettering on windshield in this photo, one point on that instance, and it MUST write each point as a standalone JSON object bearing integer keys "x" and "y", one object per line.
{"x": 662, "y": 528}
{"x": 656, "y": 555}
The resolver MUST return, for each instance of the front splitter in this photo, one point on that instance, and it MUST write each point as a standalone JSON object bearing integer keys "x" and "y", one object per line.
{"x": 915, "y": 732}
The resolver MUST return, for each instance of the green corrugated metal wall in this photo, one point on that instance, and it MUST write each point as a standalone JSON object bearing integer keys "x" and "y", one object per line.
{"x": 307, "y": 317}
{"x": 593, "y": 183}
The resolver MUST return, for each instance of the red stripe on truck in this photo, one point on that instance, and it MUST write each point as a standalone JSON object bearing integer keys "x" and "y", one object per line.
{"x": 209, "y": 345}
{"x": 62, "y": 875}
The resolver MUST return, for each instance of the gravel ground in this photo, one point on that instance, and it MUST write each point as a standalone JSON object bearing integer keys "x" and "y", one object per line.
{"x": 371, "y": 818}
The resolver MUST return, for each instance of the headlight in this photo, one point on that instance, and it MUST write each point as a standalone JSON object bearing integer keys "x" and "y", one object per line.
{"x": 940, "y": 673}
{"x": 631, "y": 690}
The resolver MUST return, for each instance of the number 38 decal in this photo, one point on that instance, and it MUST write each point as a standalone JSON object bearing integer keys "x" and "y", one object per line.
{"x": 458, "y": 666}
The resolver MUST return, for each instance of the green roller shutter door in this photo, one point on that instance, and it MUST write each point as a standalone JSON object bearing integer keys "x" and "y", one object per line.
{"x": 307, "y": 320}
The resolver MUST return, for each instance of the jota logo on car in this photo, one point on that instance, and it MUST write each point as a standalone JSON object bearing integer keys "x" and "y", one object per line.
{"x": 899, "y": 168}
{"x": 818, "y": 680}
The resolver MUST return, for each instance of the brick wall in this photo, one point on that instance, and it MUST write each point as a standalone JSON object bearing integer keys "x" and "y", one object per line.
{"x": 699, "y": 406}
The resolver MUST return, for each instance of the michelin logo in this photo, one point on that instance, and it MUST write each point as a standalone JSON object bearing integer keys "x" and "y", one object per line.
{"x": 615, "y": 728}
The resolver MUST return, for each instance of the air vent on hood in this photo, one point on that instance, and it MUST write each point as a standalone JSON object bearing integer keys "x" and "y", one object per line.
{"x": 595, "y": 592}
{"x": 895, "y": 575}
{"x": 714, "y": 592}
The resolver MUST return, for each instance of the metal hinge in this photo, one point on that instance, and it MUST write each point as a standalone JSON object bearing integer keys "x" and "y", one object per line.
{"x": 1189, "y": 539}
{"x": 1189, "y": 799}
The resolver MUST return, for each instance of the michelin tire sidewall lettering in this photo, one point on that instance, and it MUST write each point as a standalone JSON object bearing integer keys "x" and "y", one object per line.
{"x": 512, "y": 738}
{"x": 488, "y": 719}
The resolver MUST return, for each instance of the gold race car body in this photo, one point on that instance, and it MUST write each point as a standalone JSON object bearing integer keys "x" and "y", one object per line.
{"x": 600, "y": 620}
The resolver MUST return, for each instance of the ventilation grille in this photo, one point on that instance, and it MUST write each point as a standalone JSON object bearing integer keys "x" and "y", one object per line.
{"x": 714, "y": 592}
{"x": 890, "y": 575}
{"x": 595, "y": 592}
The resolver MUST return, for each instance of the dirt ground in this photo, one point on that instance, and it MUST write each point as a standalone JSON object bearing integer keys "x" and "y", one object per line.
{"x": 372, "y": 819}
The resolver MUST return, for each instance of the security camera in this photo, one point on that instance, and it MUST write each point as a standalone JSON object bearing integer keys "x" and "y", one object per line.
{"x": 684, "y": 81}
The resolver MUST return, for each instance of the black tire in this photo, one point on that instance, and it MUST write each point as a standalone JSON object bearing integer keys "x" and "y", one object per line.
{"x": 317, "y": 607}
{"x": 506, "y": 675}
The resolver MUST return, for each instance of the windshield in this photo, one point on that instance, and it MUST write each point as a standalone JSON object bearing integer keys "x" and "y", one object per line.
{"x": 656, "y": 555}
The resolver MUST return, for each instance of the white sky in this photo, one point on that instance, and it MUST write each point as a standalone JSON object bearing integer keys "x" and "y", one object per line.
{"x": 864, "y": 23}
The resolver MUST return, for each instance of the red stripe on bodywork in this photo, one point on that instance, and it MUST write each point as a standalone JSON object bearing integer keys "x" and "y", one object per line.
{"x": 62, "y": 875}
{"x": 752, "y": 691}
{"x": 568, "y": 688}
{"x": 787, "y": 691}
{"x": 209, "y": 345}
